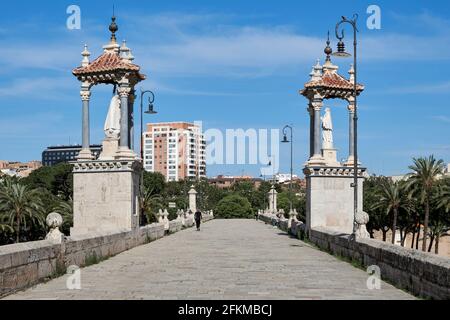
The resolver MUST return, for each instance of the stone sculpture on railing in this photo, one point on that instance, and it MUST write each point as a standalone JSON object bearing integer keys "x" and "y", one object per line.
{"x": 361, "y": 220}
{"x": 292, "y": 217}
{"x": 54, "y": 222}
{"x": 166, "y": 219}
{"x": 160, "y": 216}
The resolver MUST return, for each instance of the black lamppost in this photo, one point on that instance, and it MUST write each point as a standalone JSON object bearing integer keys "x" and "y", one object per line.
{"x": 341, "y": 53}
{"x": 285, "y": 140}
{"x": 150, "y": 110}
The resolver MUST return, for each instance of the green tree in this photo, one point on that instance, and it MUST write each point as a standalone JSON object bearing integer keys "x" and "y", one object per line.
{"x": 379, "y": 219}
{"x": 22, "y": 205}
{"x": 392, "y": 197}
{"x": 422, "y": 180}
{"x": 150, "y": 203}
{"x": 155, "y": 181}
{"x": 234, "y": 206}
{"x": 438, "y": 229}
{"x": 57, "y": 179}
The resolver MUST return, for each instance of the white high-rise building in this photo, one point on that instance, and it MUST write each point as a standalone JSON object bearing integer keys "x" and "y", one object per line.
{"x": 175, "y": 149}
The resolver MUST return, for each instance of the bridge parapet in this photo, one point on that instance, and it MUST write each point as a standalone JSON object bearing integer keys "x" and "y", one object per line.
{"x": 25, "y": 264}
{"x": 421, "y": 273}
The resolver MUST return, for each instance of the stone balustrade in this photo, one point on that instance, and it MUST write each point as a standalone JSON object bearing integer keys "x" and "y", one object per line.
{"x": 25, "y": 264}
{"x": 423, "y": 274}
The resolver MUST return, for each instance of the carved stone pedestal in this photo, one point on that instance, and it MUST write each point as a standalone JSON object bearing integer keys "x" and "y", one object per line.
{"x": 329, "y": 197}
{"x": 105, "y": 196}
{"x": 110, "y": 147}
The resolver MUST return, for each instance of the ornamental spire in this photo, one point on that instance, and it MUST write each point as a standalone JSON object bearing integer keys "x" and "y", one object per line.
{"x": 351, "y": 72}
{"x": 113, "y": 27}
{"x": 112, "y": 46}
{"x": 316, "y": 72}
{"x": 328, "y": 51}
{"x": 86, "y": 54}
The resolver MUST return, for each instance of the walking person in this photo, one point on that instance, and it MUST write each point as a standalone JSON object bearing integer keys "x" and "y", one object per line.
{"x": 198, "y": 219}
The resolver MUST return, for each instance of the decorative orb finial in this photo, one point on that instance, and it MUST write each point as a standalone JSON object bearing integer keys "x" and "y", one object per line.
{"x": 328, "y": 51}
{"x": 113, "y": 27}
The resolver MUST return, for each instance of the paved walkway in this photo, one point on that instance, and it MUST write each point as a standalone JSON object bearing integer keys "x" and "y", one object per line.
{"x": 232, "y": 259}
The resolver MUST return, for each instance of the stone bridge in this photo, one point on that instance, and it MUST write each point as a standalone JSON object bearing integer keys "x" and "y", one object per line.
{"x": 230, "y": 259}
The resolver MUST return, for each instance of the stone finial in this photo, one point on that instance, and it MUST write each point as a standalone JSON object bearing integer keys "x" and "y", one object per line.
{"x": 86, "y": 54}
{"x": 351, "y": 72}
{"x": 316, "y": 72}
{"x": 54, "y": 222}
{"x": 125, "y": 53}
{"x": 192, "y": 191}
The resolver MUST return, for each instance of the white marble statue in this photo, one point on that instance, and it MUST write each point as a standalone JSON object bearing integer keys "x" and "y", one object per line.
{"x": 112, "y": 123}
{"x": 327, "y": 130}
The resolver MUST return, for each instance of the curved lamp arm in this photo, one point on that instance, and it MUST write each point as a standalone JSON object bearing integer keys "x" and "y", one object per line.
{"x": 352, "y": 22}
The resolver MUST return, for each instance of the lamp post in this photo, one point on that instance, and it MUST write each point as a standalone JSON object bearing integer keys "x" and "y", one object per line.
{"x": 286, "y": 140}
{"x": 341, "y": 53}
{"x": 150, "y": 110}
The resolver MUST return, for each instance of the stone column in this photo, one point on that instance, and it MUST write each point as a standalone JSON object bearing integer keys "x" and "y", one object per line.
{"x": 131, "y": 99}
{"x": 351, "y": 133}
{"x": 311, "y": 130}
{"x": 124, "y": 144}
{"x": 192, "y": 200}
{"x": 317, "y": 104}
{"x": 85, "y": 153}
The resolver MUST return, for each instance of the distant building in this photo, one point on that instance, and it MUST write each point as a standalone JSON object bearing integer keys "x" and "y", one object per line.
{"x": 285, "y": 177}
{"x": 19, "y": 169}
{"x": 175, "y": 149}
{"x": 58, "y": 154}
{"x": 224, "y": 182}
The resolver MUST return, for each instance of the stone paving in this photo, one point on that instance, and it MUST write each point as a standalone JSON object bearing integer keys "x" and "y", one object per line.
{"x": 227, "y": 259}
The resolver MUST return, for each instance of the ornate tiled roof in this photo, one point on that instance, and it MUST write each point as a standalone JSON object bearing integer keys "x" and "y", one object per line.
{"x": 333, "y": 80}
{"x": 326, "y": 81}
{"x": 107, "y": 62}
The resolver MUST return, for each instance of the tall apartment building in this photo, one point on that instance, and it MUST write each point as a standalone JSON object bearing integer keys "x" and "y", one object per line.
{"x": 175, "y": 149}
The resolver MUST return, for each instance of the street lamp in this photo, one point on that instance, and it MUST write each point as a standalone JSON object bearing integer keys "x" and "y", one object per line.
{"x": 342, "y": 53}
{"x": 285, "y": 140}
{"x": 150, "y": 110}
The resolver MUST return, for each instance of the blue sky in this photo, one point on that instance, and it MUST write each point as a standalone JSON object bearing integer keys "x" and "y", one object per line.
{"x": 232, "y": 64}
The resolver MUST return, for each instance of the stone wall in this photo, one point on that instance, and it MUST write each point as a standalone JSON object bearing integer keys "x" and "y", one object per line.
{"x": 26, "y": 264}
{"x": 423, "y": 274}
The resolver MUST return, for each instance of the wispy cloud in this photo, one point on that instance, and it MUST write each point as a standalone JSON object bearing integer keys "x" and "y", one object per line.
{"x": 442, "y": 118}
{"x": 46, "y": 88}
{"x": 434, "y": 88}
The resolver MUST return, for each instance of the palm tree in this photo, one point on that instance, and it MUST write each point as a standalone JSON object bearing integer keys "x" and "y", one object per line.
{"x": 443, "y": 198}
{"x": 422, "y": 180}
{"x": 20, "y": 204}
{"x": 438, "y": 229}
{"x": 149, "y": 201}
{"x": 392, "y": 197}
{"x": 65, "y": 209}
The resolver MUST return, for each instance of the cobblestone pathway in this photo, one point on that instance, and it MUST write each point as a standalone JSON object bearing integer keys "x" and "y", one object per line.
{"x": 232, "y": 259}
